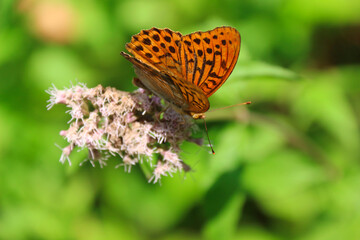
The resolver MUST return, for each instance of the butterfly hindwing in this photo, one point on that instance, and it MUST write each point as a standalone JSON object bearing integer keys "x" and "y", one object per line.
{"x": 182, "y": 94}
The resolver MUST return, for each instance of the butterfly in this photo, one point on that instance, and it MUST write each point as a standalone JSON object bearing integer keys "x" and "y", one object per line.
{"x": 184, "y": 70}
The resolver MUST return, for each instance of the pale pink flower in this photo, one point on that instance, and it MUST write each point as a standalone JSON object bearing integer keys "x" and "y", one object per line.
{"x": 133, "y": 126}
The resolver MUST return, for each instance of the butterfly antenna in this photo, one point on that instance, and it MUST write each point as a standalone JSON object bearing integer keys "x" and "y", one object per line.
{"x": 239, "y": 104}
{"x": 207, "y": 134}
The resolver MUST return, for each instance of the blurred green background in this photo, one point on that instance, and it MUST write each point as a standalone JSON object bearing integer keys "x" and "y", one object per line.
{"x": 286, "y": 166}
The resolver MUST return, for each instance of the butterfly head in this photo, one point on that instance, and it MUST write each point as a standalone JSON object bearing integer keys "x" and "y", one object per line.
{"x": 197, "y": 115}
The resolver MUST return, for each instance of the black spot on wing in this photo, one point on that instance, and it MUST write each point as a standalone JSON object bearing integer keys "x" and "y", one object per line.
{"x": 172, "y": 49}
{"x": 139, "y": 48}
{"x": 197, "y": 40}
{"x": 214, "y": 75}
{"x": 207, "y": 86}
{"x": 156, "y": 37}
{"x": 157, "y": 30}
{"x": 212, "y": 81}
{"x": 167, "y": 38}
{"x": 223, "y": 64}
{"x": 147, "y": 41}
{"x": 165, "y": 55}
{"x": 169, "y": 31}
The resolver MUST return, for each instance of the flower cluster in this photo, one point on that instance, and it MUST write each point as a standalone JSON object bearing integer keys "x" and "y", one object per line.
{"x": 134, "y": 126}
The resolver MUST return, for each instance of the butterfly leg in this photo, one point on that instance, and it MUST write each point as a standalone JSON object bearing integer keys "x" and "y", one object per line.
{"x": 179, "y": 112}
{"x": 158, "y": 116}
{"x": 183, "y": 120}
{"x": 137, "y": 82}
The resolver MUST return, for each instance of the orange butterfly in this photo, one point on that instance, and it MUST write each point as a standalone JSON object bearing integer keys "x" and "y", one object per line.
{"x": 184, "y": 70}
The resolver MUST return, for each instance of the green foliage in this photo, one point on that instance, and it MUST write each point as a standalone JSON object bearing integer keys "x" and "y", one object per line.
{"x": 286, "y": 166}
